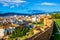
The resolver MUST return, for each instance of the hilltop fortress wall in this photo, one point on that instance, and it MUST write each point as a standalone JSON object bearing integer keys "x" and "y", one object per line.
{"x": 46, "y": 33}
{"x": 43, "y": 35}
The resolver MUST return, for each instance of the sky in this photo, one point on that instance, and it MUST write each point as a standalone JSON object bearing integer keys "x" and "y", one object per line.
{"x": 23, "y": 6}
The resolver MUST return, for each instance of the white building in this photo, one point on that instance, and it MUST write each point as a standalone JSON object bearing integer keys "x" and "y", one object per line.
{"x": 1, "y": 32}
{"x": 34, "y": 19}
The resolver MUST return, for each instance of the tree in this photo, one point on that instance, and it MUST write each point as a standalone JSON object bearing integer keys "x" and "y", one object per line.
{"x": 19, "y": 32}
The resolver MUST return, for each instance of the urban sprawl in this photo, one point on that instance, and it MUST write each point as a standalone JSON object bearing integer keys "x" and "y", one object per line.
{"x": 22, "y": 27}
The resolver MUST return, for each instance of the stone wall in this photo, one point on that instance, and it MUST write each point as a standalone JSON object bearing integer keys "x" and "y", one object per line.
{"x": 45, "y": 35}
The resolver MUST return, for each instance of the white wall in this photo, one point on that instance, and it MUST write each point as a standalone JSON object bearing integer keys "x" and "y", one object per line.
{"x": 1, "y": 32}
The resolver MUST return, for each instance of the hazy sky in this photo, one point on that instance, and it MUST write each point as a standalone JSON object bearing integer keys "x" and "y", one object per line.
{"x": 22, "y": 6}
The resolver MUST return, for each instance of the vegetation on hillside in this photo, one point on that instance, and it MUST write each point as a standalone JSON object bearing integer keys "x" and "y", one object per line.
{"x": 55, "y": 15}
{"x": 58, "y": 22}
{"x": 19, "y": 32}
{"x": 55, "y": 35}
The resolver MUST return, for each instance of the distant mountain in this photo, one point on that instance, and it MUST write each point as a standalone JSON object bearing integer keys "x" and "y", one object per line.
{"x": 31, "y": 12}
{"x": 11, "y": 13}
{"x": 54, "y": 12}
{"x": 36, "y": 11}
